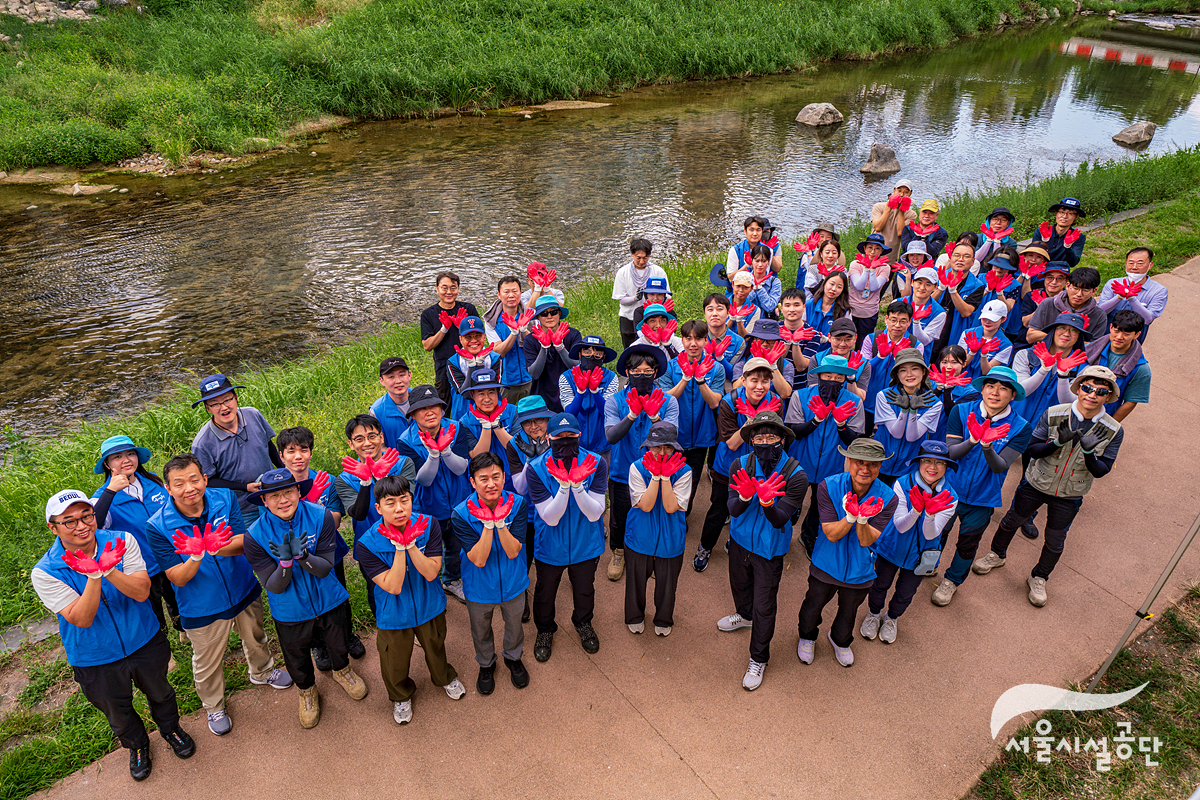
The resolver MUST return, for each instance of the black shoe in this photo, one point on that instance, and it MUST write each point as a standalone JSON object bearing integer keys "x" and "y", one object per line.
{"x": 357, "y": 648}
{"x": 486, "y": 682}
{"x": 1029, "y": 529}
{"x": 139, "y": 763}
{"x": 520, "y": 675}
{"x": 588, "y": 638}
{"x": 543, "y": 645}
{"x": 320, "y": 657}
{"x": 528, "y": 610}
{"x": 181, "y": 743}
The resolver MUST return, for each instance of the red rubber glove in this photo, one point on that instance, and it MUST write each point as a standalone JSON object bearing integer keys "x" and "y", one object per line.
{"x": 672, "y": 464}
{"x": 843, "y": 412}
{"x": 741, "y": 312}
{"x": 704, "y": 367}
{"x": 466, "y": 354}
{"x": 827, "y": 271}
{"x": 595, "y": 378}
{"x": 111, "y": 556}
{"x": 883, "y": 346}
{"x": 744, "y": 408}
{"x": 989, "y": 346}
{"x": 1068, "y": 363}
{"x": 580, "y": 379}
{"x": 559, "y": 472}
{"x": 870, "y": 507}
{"x": 905, "y": 204}
{"x": 774, "y": 240}
{"x": 812, "y": 242}
{"x": 997, "y": 283}
{"x": 772, "y": 352}
{"x": 850, "y": 503}
{"x": 717, "y": 349}
{"x": 649, "y": 334}
{"x": 854, "y": 360}
{"x": 496, "y": 412}
{"x": 917, "y": 498}
{"x": 986, "y": 230}
{"x": 185, "y": 545}
{"x": 669, "y": 305}
{"x": 745, "y": 486}
{"x": 687, "y": 367}
{"x": 1045, "y": 231}
{"x": 944, "y": 379}
{"x": 652, "y": 404}
{"x": 503, "y": 509}
{"x": 972, "y": 341}
{"x": 923, "y": 312}
{"x": 950, "y": 277}
{"x": 1071, "y": 237}
{"x": 1029, "y": 271}
{"x": 520, "y": 322}
{"x": 939, "y": 502}
{"x": 652, "y": 463}
{"x": 1044, "y": 355}
{"x": 819, "y": 408}
{"x": 770, "y": 488}
{"x": 319, "y": 485}
{"x": 560, "y": 334}
{"x": 635, "y": 401}
{"x": 82, "y": 563}
{"x": 535, "y": 271}
{"x": 216, "y": 538}
{"x": 798, "y": 336}
{"x": 581, "y": 472}
{"x": 444, "y": 439}
{"x": 542, "y": 335}
{"x": 977, "y": 429}
{"x": 667, "y": 331}
{"x": 893, "y": 201}
{"x": 412, "y": 531}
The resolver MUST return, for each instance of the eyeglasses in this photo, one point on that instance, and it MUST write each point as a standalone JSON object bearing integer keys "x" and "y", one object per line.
{"x": 1099, "y": 391}
{"x": 72, "y": 524}
{"x": 219, "y": 403}
{"x": 370, "y": 437}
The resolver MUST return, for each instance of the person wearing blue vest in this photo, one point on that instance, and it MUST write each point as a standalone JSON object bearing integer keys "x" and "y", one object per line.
{"x": 1120, "y": 351}
{"x": 658, "y": 330}
{"x": 291, "y": 549}
{"x": 879, "y": 350}
{"x": 490, "y": 526}
{"x": 960, "y": 292}
{"x": 764, "y": 343}
{"x": 855, "y": 508}
{"x": 928, "y": 316}
{"x": 994, "y": 233}
{"x": 985, "y": 344}
{"x": 822, "y": 417}
{"x": 529, "y": 441}
{"x": 95, "y": 582}
{"x": 587, "y": 388}
{"x": 698, "y": 383}
{"x": 657, "y": 291}
{"x": 910, "y": 546}
{"x": 830, "y": 302}
{"x": 1137, "y": 291}
{"x": 723, "y": 343}
{"x": 1061, "y": 238}
{"x": 751, "y": 398}
{"x": 486, "y": 416}
{"x": 985, "y": 438}
{"x": 197, "y": 539}
{"x": 392, "y": 409}
{"x": 129, "y": 496}
{"x": 659, "y": 490}
{"x": 566, "y": 486}
{"x": 908, "y": 412}
{"x": 506, "y": 324}
{"x": 439, "y": 450}
{"x": 627, "y": 419}
{"x": 951, "y": 384}
{"x": 474, "y": 353}
{"x": 401, "y": 555}
{"x": 768, "y": 487}
{"x": 840, "y": 342}
{"x": 1000, "y": 283}
{"x": 548, "y": 348}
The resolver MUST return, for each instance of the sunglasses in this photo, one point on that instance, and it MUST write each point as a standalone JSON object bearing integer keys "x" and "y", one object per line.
{"x": 551, "y": 313}
{"x": 1099, "y": 391}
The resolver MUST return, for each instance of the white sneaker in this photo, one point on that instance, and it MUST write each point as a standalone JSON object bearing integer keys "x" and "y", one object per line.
{"x": 887, "y": 632}
{"x": 402, "y": 712}
{"x": 870, "y": 625}
{"x": 455, "y": 588}
{"x": 985, "y": 564}
{"x": 733, "y": 622}
{"x": 455, "y": 690}
{"x": 805, "y": 650}
{"x": 1037, "y": 591}
{"x": 637, "y": 627}
{"x": 662, "y": 630}
{"x": 753, "y": 677}
{"x": 944, "y": 593}
{"x": 844, "y": 655}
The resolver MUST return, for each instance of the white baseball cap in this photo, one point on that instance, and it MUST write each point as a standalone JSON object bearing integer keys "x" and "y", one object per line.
{"x": 64, "y": 500}
{"x": 903, "y": 182}
{"x": 927, "y": 273}
{"x": 994, "y": 310}
{"x": 742, "y": 276}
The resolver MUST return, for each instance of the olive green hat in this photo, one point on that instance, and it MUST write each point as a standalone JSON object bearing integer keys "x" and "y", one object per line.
{"x": 864, "y": 449}
{"x": 909, "y": 355}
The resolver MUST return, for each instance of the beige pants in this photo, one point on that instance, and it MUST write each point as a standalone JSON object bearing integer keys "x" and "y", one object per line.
{"x": 208, "y": 651}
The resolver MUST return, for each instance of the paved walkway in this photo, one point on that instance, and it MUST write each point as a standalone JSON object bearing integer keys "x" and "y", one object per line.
{"x": 667, "y": 718}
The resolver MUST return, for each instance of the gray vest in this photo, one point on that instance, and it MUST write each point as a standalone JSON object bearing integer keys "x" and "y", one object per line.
{"x": 1064, "y": 473}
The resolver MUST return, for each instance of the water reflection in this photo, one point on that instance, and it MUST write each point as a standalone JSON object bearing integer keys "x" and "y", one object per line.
{"x": 109, "y": 299}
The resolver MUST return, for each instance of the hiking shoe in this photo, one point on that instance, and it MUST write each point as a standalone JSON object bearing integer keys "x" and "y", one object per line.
{"x": 139, "y": 763}
{"x": 357, "y": 648}
{"x": 845, "y": 655}
{"x": 402, "y": 712}
{"x": 486, "y": 682}
{"x": 1029, "y": 529}
{"x": 219, "y": 722}
{"x": 616, "y": 567}
{"x": 700, "y": 562}
{"x": 543, "y": 645}
{"x": 733, "y": 622}
{"x": 310, "y": 707}
{"x": 753, "y": 677}
{"x": 355, "y": 686}
{"x": 1037, "y": 590}
{"x": 455, "y": 690}
{"x": 321, "y": 660}
{"x": 278, "y": 679}
{"x": 637, "y": 627}
{"x": 870, "y": 625}
{"x": 455, "y": 588}
{"x": 588, "y": 638}
{"x": 183, "y": 745}
{"x": 518, "y": 673}
{"x": 985, "y": 564}
{"x": 944, "y": 593}
{"x": 887, "y": 631}
{"x": 663, "y": 630}
{"x": 806, "y": 649}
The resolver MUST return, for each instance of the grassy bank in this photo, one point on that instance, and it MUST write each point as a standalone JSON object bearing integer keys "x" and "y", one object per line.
{"x": 206, "y": 74}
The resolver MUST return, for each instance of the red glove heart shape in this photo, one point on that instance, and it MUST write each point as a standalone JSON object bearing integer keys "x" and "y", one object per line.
{"x": 412, "y": 531}
{"x": 950, "y": 277}
{"x": 443, "y": 440}
{"x": 520, "y": 322}
{"x": 983, "y": 432}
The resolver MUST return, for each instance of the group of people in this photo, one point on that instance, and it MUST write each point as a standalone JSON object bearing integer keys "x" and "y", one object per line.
{"x": 532, "y": 430}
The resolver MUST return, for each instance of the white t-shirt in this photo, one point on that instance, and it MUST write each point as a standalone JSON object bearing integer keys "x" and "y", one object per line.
{"x": 682, "y": 488}
{"x": 625, "y": 288}
{"x": 56, "y": 595}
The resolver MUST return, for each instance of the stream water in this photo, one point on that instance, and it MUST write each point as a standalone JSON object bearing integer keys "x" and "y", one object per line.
{"x": 110, "y": 299}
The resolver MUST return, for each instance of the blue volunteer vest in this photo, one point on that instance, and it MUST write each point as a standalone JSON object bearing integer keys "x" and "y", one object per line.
{"x": 329, "y": 500}
{"x": 473, "y": 424}
{"x": 629, "y": 448}
{"x": 501, "y": 578}
{"x": 815, "y": 317}
{"x": 513, "y": 370}
{"x": 818, "y": 452}
{"x": 306, "y": 597}
{"x": 588, "y": 408}
{"x": 901, "y": 450}
{"x": 846, "y": 559}
{"x": 881, "y": 370}
{"x": 447, "y": 489}
{"x": 575, "y": 538}
{"x": 974, "y": 482}
{"x": 752, "y": 530}
{"x": 392, "y": 420}
{"x": 1122, "y": 381}
{"x": 361, "y": 525}
{"x": 131, "y": 515}
{"x": 121, "y": 626}
{"x": 458, "y": 403}
{"x": 697, "y": 422}
{"x": 731, "y": 353}
{"x": 975, "y": 369}
{"x": 1013, "y": 292}
{"x": 957, "y": 322}
{"x": 655, "y": 532}
{"x": 419, "y": 600}
{"x": 904, "y": 548}
{"x": 937, "y": 311}
{"x": 724, "y": 456}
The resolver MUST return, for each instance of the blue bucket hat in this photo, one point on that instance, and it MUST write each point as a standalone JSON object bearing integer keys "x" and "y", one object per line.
{"x": 471, "y": 325}
{"x": 532, "y": 407}
{"x": 275, "y": 479}
{"x": 593, "y": 341}
{"x": 214, "y": 386}
{"x": 1069, "y": 204}
{"x": 765, "y": 329}
{"x": 119, "y": 444}
{"x": 934, "y": 449}
{"x": 874, "y": 238}
{"x": 831, "y": 363}
{"x": 657, "y": 286}
{"x": 547, "y": 302}
{"x": 718, "y": 277}
{"x": 767, "y": 226}
{"x": 1071, "y": 320}
{"x": 1003, "y": 375}
{"x": 482, "y": 378}
{"x": 562, "y": 423}
{"x": 655, "y": 310}
{"x": 660, "y": 359}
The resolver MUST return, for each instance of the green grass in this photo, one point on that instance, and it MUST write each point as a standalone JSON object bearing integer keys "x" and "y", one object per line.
{"x": 189, "y": 76}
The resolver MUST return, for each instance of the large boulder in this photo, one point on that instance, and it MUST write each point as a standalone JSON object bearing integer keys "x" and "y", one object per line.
{"x": 882, "y": 161}
{"x": 819, "y": 114}
{"x": 1138, "y": 134}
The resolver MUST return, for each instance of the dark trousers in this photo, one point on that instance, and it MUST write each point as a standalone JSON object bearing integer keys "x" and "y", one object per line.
{"x": 906, "y": 587}
{"x": 162, "y": 593}
{"x": 339, "y": 571}
{"x": 618, "y": 512}
{"x": 696, "y": 457}
{"x": 296, "y": 641}
{"x": 812, "y": 522}
{"x": 583, "y": 588}
{"x": 972, "y": 523}
{"x": 818, "y": 596}
{"x": 451, "y": 553}
{"x": 718, "y": 510}
{"x": 441, "y": 382}
{"x": 109, "y": 687}
{"x": 638, "y": 569}
{"x": 1060, "y": 512}
{"x": 370, "y": 590}
{"x": 395, "y": 657}
{"x": 864, "y": 327}
{"x": 754, "y": 582}
{"x": 628, "y": 332}
{"x": 514, "y": 394}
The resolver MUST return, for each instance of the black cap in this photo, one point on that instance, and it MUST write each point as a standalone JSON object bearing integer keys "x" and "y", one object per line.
{"x": 842, "y": 325}
{"x": 662, "y": 434}
{"x": 391, "y": 363}
{"x": 423, "y": 396}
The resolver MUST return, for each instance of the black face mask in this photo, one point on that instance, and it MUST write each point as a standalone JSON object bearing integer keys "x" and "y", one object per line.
{"x": 768, "y": 455}
{"x": 643, "y": 383}
{"x": 565, "y": 449}
{"x": 829, "y": 389}
{"x": 589, "y": 363}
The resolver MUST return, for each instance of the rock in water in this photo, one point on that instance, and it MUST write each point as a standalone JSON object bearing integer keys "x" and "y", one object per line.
{"x": 1138, "y": 134}
{"x": 882, "y": 161}
{"x": 819, "y": 114}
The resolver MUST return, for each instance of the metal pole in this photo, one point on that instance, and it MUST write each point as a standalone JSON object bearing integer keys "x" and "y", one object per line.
{"x": 1143, "y": 612}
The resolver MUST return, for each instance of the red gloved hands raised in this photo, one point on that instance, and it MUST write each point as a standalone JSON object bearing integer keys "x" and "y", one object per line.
{"x": 548, "y": 338}
{"x": 389, "y": 458}
{"x": 493, "y": 518}
{"x": 772, "y": 352}
{"x": 520, "y": 322}
{"x": 917, "y": 498}
{"x": 810, "y": 244}
{"x": 769, "y": 488}
{"x": 661, "y": 467}
{"x": 987, "y": 231}
{"x": 319, "y": 485}
{"x": 717, "y": 349}
{"x": 581, "y": 472}
{"x": 870, "y": 263}
{"x": 1044, "y": 355}
{"x": 452, "y": 322}
{"x": 944, "y": 379}
{"x": 983, "y": 432}
{"x": 437, "y": 444}
{"x": 209, "y": 540}
{"x": 741, "y": 312}
{"x": 884, "y": 346}
{"x": 745, "y": 486}
{"x": 95, "y": 568}
{"x": 862, "y": 511}
{"x": 1068, "y": 363}
{"x": 1028, "y": 270}
{"x": 744, "y": 408}
{"x": 559, "y": 472}
{"x": 491, "y": 420}
{"x": 922, "y": 312}
{"x": 403, "y": 538}
{"x": 466, "y": 355}
{"x": 798, "y": 336}
{"x": 997, "y": 283}
{"x": 539, "y": 275}
{"x": 826, "y": 271}
{"x": 950, "y": 277}
{"x": 854, "y": 361}
{"x": 660, "y": 336}
{"x": 1126, "y": 288}
{"x": 363, "y": 470}
{"x": 843, "y": 412}
{"x": 938, "y": 502}
{"x": 1071, "y": 237}
{"x": 819, "y": 408}
{"x": 652, "y": 403}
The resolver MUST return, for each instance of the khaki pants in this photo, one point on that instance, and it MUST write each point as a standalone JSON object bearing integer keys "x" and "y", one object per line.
{"x": 395, "y": 653}
{"x": 208, "y": 651}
